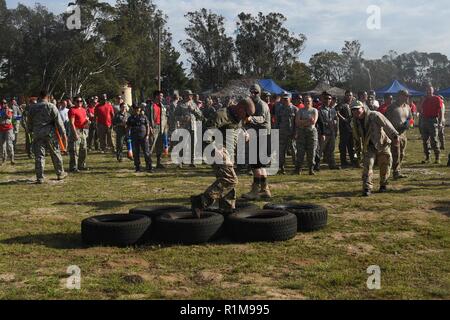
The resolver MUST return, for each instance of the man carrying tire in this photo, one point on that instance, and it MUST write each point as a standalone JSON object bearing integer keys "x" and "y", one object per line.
{"x": 223, "y": 189}
{"x": 261, "y": 122}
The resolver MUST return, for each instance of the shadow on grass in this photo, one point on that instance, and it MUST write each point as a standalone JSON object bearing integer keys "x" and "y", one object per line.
{"x": 111, "y": 204}
{"x": 50, "y": 240}
{"x": 17, "y": 182}
{"x": 444, "y": 208}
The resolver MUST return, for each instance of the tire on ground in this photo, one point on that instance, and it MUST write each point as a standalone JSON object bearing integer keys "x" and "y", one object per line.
{"x": 262, "y": 225}
{"x": 182, "y": 227}
{"x": 114, "y": 229}
{"x": 310, "y": 217}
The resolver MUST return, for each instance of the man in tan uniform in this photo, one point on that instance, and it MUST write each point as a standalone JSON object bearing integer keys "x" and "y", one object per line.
{"x": 399, "y": 114}
{"x": 373, "y": 135}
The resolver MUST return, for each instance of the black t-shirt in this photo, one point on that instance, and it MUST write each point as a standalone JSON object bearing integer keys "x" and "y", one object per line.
{"x": 138, "y": 125}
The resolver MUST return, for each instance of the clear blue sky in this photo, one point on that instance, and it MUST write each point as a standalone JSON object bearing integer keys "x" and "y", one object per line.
{"x": 406, "y": 25}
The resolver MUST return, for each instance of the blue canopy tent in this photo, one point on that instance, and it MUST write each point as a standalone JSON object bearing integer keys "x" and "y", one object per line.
{"x": 445, "y": 93}
{"x": 395, "y": 87}
{"x": 270, "y": 86}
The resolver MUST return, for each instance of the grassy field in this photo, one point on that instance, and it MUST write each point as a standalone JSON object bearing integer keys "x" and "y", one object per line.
{"x": 406, "y": 232}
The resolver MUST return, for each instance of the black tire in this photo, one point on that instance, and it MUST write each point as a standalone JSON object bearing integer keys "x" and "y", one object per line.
{"x": 114, "y": 229}
{"x": 156, "y": 211}
{"x": 182, "y": 227}
{"x": 241, "y": 206}
{"x": 262, "y": 225}
{"x": 310, "y": 217}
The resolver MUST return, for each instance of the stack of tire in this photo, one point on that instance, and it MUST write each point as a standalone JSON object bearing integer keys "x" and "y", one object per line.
{"x": 175, "y": 224}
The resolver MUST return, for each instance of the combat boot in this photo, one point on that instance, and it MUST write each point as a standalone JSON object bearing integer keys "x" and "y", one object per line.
{"x": 298, "y": 171}
{"x": 398, "y": 175}
{"x": 253, "y": 194}
{"x": 438, "y": 159}
{"x": 427, "y": 160}
{"x": 282, "y": 171}
{"x": 62, "y": 176}
{"x": 311, "y": 171}
{"x": 159, "y": 165}
{"x": 265, "y": 193}
{"x": 197, "y": 206}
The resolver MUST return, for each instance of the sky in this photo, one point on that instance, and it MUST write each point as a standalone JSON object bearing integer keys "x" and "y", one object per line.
{"x": 405, "y": 25}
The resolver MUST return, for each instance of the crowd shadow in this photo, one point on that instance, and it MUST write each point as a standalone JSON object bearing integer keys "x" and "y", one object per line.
{"x": 17, "y": 182}
{"x": 50, "y": 240}
{"x": 443, "y": 207}
{"x": 112, "y": 204}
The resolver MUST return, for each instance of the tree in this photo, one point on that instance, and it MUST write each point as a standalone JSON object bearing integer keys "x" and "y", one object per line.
{"x": 211, "y": 50}
{"x": 329, "y": 67}
{"x": 298, "y": 77}
{"x": 265, "y": 47}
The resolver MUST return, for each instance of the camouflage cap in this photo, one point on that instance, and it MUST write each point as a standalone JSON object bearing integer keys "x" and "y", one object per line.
{"x": 357, "y": 105}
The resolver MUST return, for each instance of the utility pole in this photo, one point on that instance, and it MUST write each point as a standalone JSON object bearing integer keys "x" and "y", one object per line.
{"x": 159, "y": 56}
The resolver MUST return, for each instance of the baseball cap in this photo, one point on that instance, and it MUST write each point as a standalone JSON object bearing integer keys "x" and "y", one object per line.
{"x": 255, "y": 88}
{"x": 286, "y": 95}
{"x": 356, "y": 105}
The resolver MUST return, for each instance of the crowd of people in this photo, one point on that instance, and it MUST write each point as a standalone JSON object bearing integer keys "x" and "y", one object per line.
{"x": 369, "y": 132}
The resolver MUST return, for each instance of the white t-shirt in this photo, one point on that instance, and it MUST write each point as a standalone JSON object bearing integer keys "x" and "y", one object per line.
{"x": 64, "y": 114}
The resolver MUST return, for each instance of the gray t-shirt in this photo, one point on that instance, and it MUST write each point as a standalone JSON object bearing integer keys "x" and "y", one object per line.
{"x": 307, "y": 114}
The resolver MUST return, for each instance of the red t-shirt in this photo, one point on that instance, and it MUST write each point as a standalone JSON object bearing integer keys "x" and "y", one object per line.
{"x": 105, "y": 114}
{"x": 79, "y": 113}
{"x": 300, "y": 106}
{"x": 157, "y": 114}
{"x": 91, "y": 112}
{"x": 383, "y": 108}
{"x": 272, "y": 112}
{"x": 3, "y": 126}
{"x": 432, "y": 106}
{"x": 413, "y": 107}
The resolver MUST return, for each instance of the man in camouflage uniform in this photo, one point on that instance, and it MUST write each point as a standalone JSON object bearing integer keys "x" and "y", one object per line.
{"x": 373, "y": 135}
{"x": 284, "y": 122}
{"x": 261, "y": 123}
{"x": 171, "y": 119}
{"x": 28, "y": 133}
{"x": 139, "y": 128}
{"x": 17, "y": 118}
{"x": 120, "y": 127}
{"x": 44, "y": 121}
{"x": 227, "y": 120}
{"x": 306, "y": 135}
{"x": 186, "y": 116}
{"x": 399, "y": 114}
{"x": 328, "y": 135}
{"x": 345, "y": 131}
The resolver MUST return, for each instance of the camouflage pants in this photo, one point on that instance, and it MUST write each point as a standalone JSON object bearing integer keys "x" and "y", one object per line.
{"x": 78, "y": 150}
{"x": 28, "y": 143}
{"x": 39, "y": 147}
{"x": 285, "y": 145}
{"x": 16, "y": 133}
{"x": 156, "y": 142}
{"x": 327, "y": 147}
{"x": 307, "y": 142}
{"x": 223, "y": 189}
{"x": 121, "y": 137}
{"x": 398, "y": 153}
{"x": 441, "y": 135}
{"x": 384, "y": 160}
{"x": 105, "y": 136}
{"x": 429, "y": 131}
{"x": 92, "y": 136}
{"x": 7, "y": 144}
